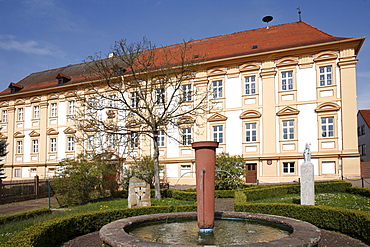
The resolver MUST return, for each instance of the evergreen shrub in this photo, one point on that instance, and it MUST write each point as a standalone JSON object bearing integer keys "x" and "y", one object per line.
{"x": 351, "y": 222}
{"x": 359, "y": 191}
{"x": 23, "y": 216}
{"x": 54, "y": 232}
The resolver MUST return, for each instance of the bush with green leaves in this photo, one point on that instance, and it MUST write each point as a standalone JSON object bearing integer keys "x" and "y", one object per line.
{"x": 348, "y": 221}
{"x": 82, "y": 180}
{"x": 143, "y": 169}
{"x": 55, "y": 232}
{"x": 230, "y": 172}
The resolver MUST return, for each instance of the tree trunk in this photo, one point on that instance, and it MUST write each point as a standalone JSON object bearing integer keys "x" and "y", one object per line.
{"x": 157, "y": 183}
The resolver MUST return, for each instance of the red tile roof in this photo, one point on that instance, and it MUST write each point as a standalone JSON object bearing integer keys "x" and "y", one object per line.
{"x": 366, "y": 116}
{"x": 249, "y": 42}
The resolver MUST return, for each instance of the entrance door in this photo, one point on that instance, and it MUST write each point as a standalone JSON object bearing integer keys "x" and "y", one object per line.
{"x": 251, "y": 173}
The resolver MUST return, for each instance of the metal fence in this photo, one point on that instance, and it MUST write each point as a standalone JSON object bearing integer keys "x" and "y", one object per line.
{"x": 22, "y": 190}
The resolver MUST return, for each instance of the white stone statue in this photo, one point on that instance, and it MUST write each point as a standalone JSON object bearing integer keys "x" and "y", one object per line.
{"x": 307, "y": 154}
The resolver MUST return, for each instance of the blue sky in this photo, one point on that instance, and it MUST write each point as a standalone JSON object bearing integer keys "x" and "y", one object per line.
{"x": 37, "y": 35}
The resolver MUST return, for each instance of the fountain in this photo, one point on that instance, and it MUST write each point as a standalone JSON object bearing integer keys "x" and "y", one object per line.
{"x": 299, "y": 233}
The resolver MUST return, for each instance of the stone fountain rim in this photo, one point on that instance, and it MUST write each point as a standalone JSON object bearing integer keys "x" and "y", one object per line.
{"x": 304, "y": 233}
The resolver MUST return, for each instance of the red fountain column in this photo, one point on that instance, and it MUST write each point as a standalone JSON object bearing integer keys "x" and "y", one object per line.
{"x": 205, "y": 163}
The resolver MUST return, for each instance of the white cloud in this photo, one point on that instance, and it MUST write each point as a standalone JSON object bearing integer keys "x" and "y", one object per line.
{"x": 10, "y": 43}
{"x": 55, "y": 11}
{"x": 365, "y": 74}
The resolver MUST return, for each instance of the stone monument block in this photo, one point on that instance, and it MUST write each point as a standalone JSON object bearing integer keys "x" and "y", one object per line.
{"x": 138, "y": 193}
{"x": 307, "y": 179}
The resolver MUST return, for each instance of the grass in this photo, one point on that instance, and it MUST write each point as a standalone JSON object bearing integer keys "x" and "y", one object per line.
{"x": 341, "y": 200}
{"x": 9, "y": 230}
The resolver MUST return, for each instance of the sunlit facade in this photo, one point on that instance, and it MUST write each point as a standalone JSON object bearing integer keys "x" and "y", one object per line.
{"x": 272, "y": 91}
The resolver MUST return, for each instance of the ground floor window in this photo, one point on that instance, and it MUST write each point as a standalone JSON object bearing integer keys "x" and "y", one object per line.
{"x": 17, "y": 173}
{"x": 288, "y": 168}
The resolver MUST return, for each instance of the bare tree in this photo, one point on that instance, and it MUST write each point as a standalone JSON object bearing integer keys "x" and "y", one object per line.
{"x": 145, "y": 90}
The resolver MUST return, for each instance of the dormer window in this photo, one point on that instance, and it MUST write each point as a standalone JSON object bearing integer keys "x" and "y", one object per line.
{"x": 14, "y": 87}
{"x": 62, "y": 78}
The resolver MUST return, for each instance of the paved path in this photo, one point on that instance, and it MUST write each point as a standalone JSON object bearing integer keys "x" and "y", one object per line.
{"x": 19, "y": 207}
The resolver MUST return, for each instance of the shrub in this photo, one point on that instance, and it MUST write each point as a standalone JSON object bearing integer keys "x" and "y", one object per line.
{"x": 351, "y": 222}
{"x": 184, "y": 195}
{"x": 143, "y": 169}
{"x": 54, "y": 232}
{"x": 265, "y": 191}
{"x": 229, "y": 172}
{"x": 224, "y": 193}
{"x": 85, "y": 179}
{"x": 23, "y": 216}
{"x": 359, "y": 191}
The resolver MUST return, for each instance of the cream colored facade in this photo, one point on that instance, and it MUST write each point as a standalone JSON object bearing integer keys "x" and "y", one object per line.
{"x": 268, "y": 105}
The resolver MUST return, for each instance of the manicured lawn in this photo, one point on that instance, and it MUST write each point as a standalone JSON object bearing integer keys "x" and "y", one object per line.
{"x": 342, "y": 200}
{"x": 9, "y": 230}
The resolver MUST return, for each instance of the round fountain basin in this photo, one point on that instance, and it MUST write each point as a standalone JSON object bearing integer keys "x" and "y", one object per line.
{"x": 302, "y": 233}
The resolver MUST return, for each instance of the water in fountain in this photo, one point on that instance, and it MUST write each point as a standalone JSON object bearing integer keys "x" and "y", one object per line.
{"x": 226, "y": 232}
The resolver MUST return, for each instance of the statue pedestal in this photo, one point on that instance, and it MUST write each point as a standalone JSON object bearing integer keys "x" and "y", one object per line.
{"x": 307, "y": 184}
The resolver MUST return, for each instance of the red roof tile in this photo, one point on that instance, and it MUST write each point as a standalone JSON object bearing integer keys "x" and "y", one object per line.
{"x": 249, "y": 42}
{"x": 366, "y": 116}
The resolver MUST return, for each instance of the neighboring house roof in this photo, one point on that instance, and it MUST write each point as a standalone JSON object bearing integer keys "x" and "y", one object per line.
{"x": 366, "y": 116}
{"x": 279, "y": 37}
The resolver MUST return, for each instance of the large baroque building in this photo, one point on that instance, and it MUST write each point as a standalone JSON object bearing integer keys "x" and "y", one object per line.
{"x": 274, "y": 90}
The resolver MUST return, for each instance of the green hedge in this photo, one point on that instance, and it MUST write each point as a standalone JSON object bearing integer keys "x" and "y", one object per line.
{"x": 359, "y": 191}
{"x": 23, "y": 216}
{"x": 351, "y": 222}
{"x": 124, "y": 193}
{"x": 266, "y": 191}
{"x": 54, "y": 232}
{"x": 192, "y": 195}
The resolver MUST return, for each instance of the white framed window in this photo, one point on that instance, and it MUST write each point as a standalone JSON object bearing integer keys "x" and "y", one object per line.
{"x": 17, "y": 173}
{"x": 110, "y": 141}
{"x": 186, "y": 93}
{"x": 288, "y": 167}
{"x": 20, "y": 114}
{"x": 362, "y": 149}
{"x": 19, "y": 147}
{"x": 53, "y": 145}
{"x": 51, "y": 172}
{"x": 327, "y": 127}
{"x": 287, "y": 80}
{"x": 90, "y": 142}
{"x": 36, "y": 112}
{"x": 160, "y": 138}
{"x": 185, "y": 170}
{"x": 35, "y": 146}
{"x": 70, "y": 144}
{"x": 250, "y": 132}
{"x": 71, "y": 107}
{"x": 218, "y": 133}
{"x": 186, "y": 136}
{"x": 134, "y": 139}
{"x": 288, "y": 130}
{"x": 160, "y": 97}
{"x": 134, "y": 99}
{"x": 250, "y": 85}
{"x": 217, "y": 89}
{"x": 4, "y": 116}
{"x": 53, "y": 109}
{"x": 92, "y": 105}
{"x": 326, "y": 76}
{"x": 112, "y": 103}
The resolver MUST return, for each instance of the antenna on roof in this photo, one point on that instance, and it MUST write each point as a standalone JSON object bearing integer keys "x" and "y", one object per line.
{"x": 299, "y": 14}
{"x": 267, "y": 19}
